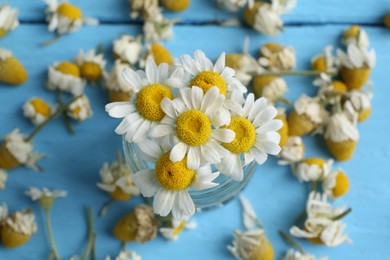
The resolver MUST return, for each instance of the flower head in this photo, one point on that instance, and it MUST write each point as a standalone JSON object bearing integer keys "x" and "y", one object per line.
{"x": 3, "y": 179}
{"x": 275, "y": 57}
{"x": 264, "y": 17}
{"x": 80, "y": 109}
{"x": 44, "y": 196}
{"x": 325, "y": 61}
{"x": 146, "y": 9}
{"x": 361, "y": 103}
{"x": 158, "y": 29}
{"x": 356, "y": 57}
{"x": 356, "y": 36}
{"x": 177, "y": 226}
{"x": 12, "y": 71}
{"x": 159, "y": 53}
{"x": 128, "y": 49}
{"x": 270, "y": 87}
{"x": 244, "y": 65}
{"x": 65, "y": 76}
{"x": 175, "y": 5}
{"x": 37, "y": 110}
{"x": 313, "y": 169}
{"x": 293, "y": 151}
{"x": 91, "y": 65}
{"x": 8, "y": 19}
{"x": 336, "y": 184}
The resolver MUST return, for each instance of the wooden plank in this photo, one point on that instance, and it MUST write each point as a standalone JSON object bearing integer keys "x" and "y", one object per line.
{"x": 74, "y": 161}
{"x": 307, "y": 11}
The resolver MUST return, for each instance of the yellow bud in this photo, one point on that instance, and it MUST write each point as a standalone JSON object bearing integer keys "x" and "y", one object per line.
{"x": 342, "y": 151}
{"x": 355, "y": 78}
{"x": 118, "y": 96}
{"x": 91, "y": 71}
{"x": 12, "y": 71}
{"x": 364, "y": 114}
{"x": 319, "y": 64}
{"x": 273, "y": 47}
{"x": 339, "y": 87}
{"x": 263, "y": 252}
{"x": 2, "y": 32}
{"x": 315, "y": 161}
{"x": 352, "y": 32}
{"x": 70, "y": 11}
{"x": 342, "y": 185}
{"x": 119, "y": 194}
{"x": 176, "y": 5}
{"x": 299, "y": 125}
{"x": 68, "y": 68}
{"x": 250, "y": 13}
{"x": 11, "y": 239}
{"x": 387, "y": 20}
{"x": 7, "y": 160}
{"x": 259, "y": 83}
{"x": 161, "y": 54}
{"x": 284, "y": 130}
{"x": 233, "y": 60}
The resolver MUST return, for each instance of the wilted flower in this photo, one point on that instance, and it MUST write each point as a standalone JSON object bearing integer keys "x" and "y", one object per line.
{"x": 145, "y": 8}
{"x": 91, "y": 65}
{"x": 158, "y": 29}
{"x": 159, "y": 53}
{"x": 275, "y": 57}
{"x": 44, "y": 196}
{"x": 127, "y": 48}
{"x": 293, "y": 151}
{"x": 264, "y": 17}
{"x": 336, "y": 184}
{"x": 177, "y": 226}
{"x": 80, "y": 109}
{"x": 65, "y": 76}
{"x": 361, "y": 103}
{"x": 270, "y": 87}
{"x": 12, "y": 71}
{"x": 37, "y": 110}
{"x": 233, "y": 5}
{"x": 8, "y": 19}
{"x": 313, "y": 169}
{"x": 356, "y": 36}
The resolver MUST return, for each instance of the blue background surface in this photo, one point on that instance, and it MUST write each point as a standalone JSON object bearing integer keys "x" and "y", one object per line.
{"x": 73, "y": 162}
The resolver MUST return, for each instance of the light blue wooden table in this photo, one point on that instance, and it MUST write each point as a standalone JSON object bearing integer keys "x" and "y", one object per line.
{"x": 73, "y": 162}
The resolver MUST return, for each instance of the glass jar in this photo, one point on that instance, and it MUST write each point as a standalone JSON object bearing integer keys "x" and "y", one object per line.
{"x": 203, "y": 199}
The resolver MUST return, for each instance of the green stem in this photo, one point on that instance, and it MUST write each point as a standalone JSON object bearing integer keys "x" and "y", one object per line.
{"x": 291, "y": 241}
{"x": 66, "y": 117}
{"x": 93, "y": 255}
{"x": 342, "y": 215}
{"x": 311, "y": 73}
{"x": 104, "y": 209}
{"x": 51, "y": 237}
{"x": 51, "y": 117}
{"x": 47, "y": 43}
{"x": 91, "y": 235}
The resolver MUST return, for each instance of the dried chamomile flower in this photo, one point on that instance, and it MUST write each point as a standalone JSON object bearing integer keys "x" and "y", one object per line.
{"x": 159, "y": 53}
{"x": 12, "y": 71}
{"x": 244, "y": 65}
{"x": 91, "y": 65}
{"x": 65, "y": 76}
{"x": 126, "y": 256}
{"x": 341, "y": 136}
{"x": 233, "y": 5}
{"x": 16, "y": 151}
{"x": 293, "y": 151}
{"x": 283, "y": 132}
{"x": 8, "y": 19}
{"x": 146, "y": 9}
{"x": 356, "y": 65}
{"x": 37, "y": 110}
{"x": 171, "y": 181}
{"x": 271, "y": 87}
{"x": 158, "y": 29}
{"x": 175, "y": 5}
{"x": 264, "y": 17}
{"x": 296, "y": 255}
{"x": 118, "y": 89}
{"x": 64, "y": 17}
{"x": 312, "y": 169}
{"x": 3, "y": 179}
{"x": 17, "y": 229}
{"x": 361, "y": 103}
{"x": 308, "y": 114}
{"x": 326, "y": 61}
{"x": 44, "y": 196}
{"x": 80, "y": 109}
{"x": 275, "y": 57}
{"x": 176, "y": 227}
{"x": 336, "y": 184}
{"x": 251, "y": 245}
{"x": 117, "y": 180}
{"x": 356, "y": 36}
{"x": 137, "y": 226}
{"x": 127, "y": 48}
{"x": 322, "y": 225}
{"x": 333, "y": 89}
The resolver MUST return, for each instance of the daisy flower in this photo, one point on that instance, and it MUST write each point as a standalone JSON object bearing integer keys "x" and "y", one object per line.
{"x": 117, "y": 180}
{"x": 37, "y": 110}
{"x": 293, "y": 151}
{"x": 158, "y": 29}
{"x": 91, "y": 64}
{"x": 325, "y": 61}
{"x": 193, "y": 120}
{"x": 205, "y": 75}
{"x": 65, "y": 18}
{"x": 8, "y": 19}
{"x": 296, "y": 255}
{"x": 128, "y": 49}
{"x": 80, "y": 109}
{"x": 118, "y": 89}
{"x": 12, "y": 71}
{"x": 256, "y": 136}
{"x": 312, "y": 169}
{"x": 172, "y": 233}
{"x": 270, "y": 87}
{"x": 336, "y": 184}
{"x": 244, "y": 65}
{"x": 361, "y": 103}
{"x": 355, "y": 35}
{"x": 3, "y": 180}
{"x": 65, "y": 76}
{"x": 143, "y": 111}
{"x": 126, "y": 256}
{"x": 275, "y": 57}
{"x": 264, "y": 17}
{"x": 170, "y": 182}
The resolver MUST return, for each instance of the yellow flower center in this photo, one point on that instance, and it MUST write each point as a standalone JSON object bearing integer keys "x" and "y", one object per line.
{"x": 161, "y": 54}
{"x": 119, "y": 194}
{"x": 76, "y": 111}
{"x": 2, "y": 32}
{"x": 174, "y": 175}
{"x": 68, "y": 68}
{"x": 315, "y": 161}
{"x": 245, "y": 135}
{"x": 319, "y": 64}
{"x": 176, "y": 5}
{"x": 40, "y": 107}
{"x": 208, "y": 79}
{"x": 339, "y": 87}
{"x": 342, "y": 185}
{"x": 352, "y": 31}
{"x": 148, "y": 101}
{"x": 179, "y": 228}
{"x": 193, "y": 127}
{"x": 91, "y": 71}
{"x": 70, "y": 11}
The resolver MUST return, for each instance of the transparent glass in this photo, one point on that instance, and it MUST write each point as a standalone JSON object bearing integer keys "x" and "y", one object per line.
{"x": 204, "y": 199}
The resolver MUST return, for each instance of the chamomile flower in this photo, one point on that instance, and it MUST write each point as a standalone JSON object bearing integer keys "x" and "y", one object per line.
{"x": 16, "y": 151}
{"x": 12, "y": 71}
{"x": 65, "y": 76}
{"x": 270, "y": 87}
{"x": 3, "y": 180}
{"x": 313, "y": 169}
{"x": 118, "y": 89}
{"x": 232, "y": 5}
{"x": 18, "y": 228}
{"x": 37, "y": 110}
{"x": 264, "y": 17}
{"x": 256, "y": 136}
{"x": 244, "y": 65}
{"x": 361, "y": 102}
{"x": 205, "y": 75}
{"x": 146, "y": 9}
{"x": 293, "y": 151}
{"x": 170, "y": 181}
{"x": 143, "y": 111}
{"x": 336, "y": 184}
{"x": 117, "y": 180}
{"x": 159, "y": 53}
{"x": 158, "y": 29}
{"x": 357, "y": 36}
{"x": 177, "y": 226}
{"x": 91, "y": 64}
{"x": 194, "y": 121}
{"x": 275, "y": 57}
{"x": 325, "y": 61}
{"x": 175, "y": 5}
{"x": 64, "y": 17}
{"x": 44, "y": 196}
{"x": 128, "y": 49}
{"x": 126, "y": 256}
{"x": 8, "y": 19}
{"x": 80, "y": 109}
{"x": 296, "y": 255}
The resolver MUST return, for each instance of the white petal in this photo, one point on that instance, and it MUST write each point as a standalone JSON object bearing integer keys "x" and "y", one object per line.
{"x": 132, "y": 78}
{"x": 193, "y": 158}
{"x": 167, "y": 106}
{"x": 151, "y": 71}
{"x": 231, "y": 166}
{"x": 147, "y": 183}
{"x": 223, "y": 135}
{"x": 259, "y": 156}
{"x": 151, "y": 148}
{"x": 163, "y": 202}
{"x": 119, "y": 109}
{"x": 178, "y": 152}
{"x": 161, "y": 130}
{"x": 197, "y": 97}
{"x": 220, "y": 63}
{"x": 183, "y": 207}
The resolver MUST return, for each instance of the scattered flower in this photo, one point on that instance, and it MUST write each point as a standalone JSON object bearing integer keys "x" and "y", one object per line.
{"x": 91, "y": 65}
{"x": 313, "y": 169}
{"x": 177, "y": 226}
{"x": 80, "y": 109}
{"x": 44, "y": 196}
{"x": 293, "y": 151}
{"x": 146, "y": 9}
{"x": 275, "y": 57}
{"x": 158, "y": 29}
{"x": 37, "y": 110}
{"x": 12, "y": 71}
{"x": 336, "y": 184}
{"x": 128, "y": 49}
{"x": 270, "y": 87}
{"x": 8, "y": 19}
{"x": 118, "y": 89}
{"x": 264, "y": 17}
{"x": 361, "y": 103}
{"x": 65, "y": 76}
{"x": 356, "y": 36}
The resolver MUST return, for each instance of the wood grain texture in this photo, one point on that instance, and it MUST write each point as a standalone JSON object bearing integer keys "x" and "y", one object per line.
{"x": 73, "y": 162}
